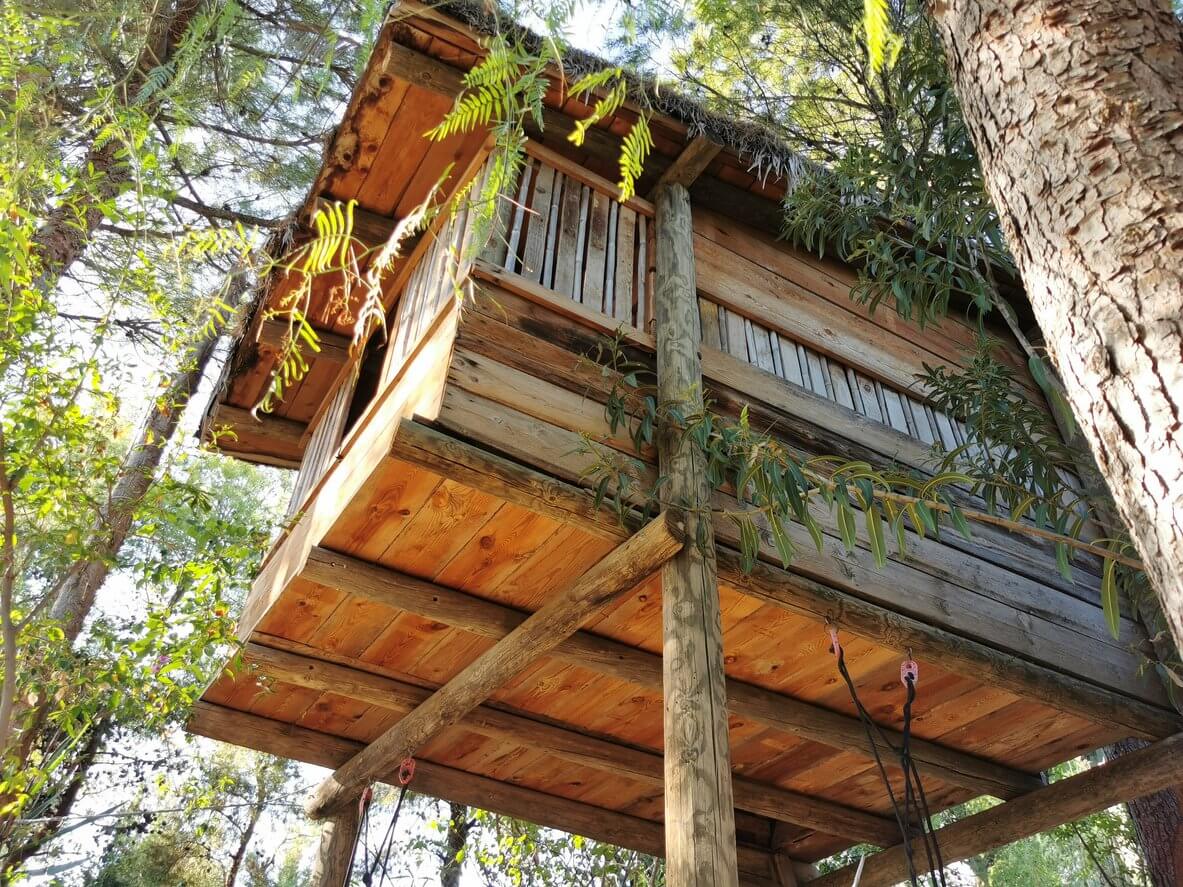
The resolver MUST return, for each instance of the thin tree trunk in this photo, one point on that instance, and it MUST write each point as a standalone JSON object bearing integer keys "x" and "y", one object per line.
{"x": 17, "y": 855}
{"x": 249, "y": 832}
{"x": 1077, "y": 117}
{"x": 64, "y": 235}
{"x": 451, "y": 857}
{"x": 136, "y": 476}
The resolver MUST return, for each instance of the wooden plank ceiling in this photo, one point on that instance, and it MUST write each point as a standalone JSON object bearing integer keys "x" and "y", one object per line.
{"x": 427, "y": 526}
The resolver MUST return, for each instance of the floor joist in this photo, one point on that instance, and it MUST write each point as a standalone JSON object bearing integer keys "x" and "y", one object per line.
{"x": 1139, "y": 773}
{"x": 323, "y": 750}
{"x": 492, "y": 620}
{"x": 567, "y": 743}
{"x": 612, "y": 576}
{"x": 493, "y": 474}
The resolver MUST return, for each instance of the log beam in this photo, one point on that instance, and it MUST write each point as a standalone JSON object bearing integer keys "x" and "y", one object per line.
{"x": 783, "y": 713}
{"x": 265, "y": 438}
{"x": 566, "y": 743}
{"x": 485, "y": 471}
{"x": 1139, "y": 773}
{"x": 323, "y": 750}
{"x": 699, "y": 810}
{"x": 274, "y": 332}
{"x": 690, "y": 164}
{"x": 370, "y": 228}
{"x": 615, "y": 574}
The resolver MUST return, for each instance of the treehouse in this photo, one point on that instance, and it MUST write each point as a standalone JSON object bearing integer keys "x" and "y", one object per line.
{"x": 451, "y": 587}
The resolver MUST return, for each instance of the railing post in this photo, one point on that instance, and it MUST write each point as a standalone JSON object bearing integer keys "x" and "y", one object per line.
{"x": 699, "y": 818}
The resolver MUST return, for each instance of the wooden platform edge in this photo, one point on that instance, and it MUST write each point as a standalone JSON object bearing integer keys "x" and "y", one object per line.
{"x": 468, "y": 464}
{"x": 323, "y": 750}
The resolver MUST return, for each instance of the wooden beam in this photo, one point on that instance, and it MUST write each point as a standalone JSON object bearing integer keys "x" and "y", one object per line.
{"x": 370, "y": 228}
{"x": 690, "y": 164}
{"x": 239, "y": 433}
{"x": 566, "y": 743}
{"x": 778, "y": 712}
{"x": 613, "y": 575}
{"x": 273, "y": 333}
{"x": 488, "y": 472}
{"x": 699, "y": 812}
{"x": 323, "y": 750}
{"x": 1138, "y": 773}
{"x": 334, "y": 853}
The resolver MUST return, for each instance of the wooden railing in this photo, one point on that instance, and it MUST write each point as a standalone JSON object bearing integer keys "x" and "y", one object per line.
{"x": 776, "y": 353}
{"x": 569, "y": 233}
{"x": 323, "y": 443}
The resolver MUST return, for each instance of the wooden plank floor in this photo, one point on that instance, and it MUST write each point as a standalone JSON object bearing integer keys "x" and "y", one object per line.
{"x": 427, "y": 526}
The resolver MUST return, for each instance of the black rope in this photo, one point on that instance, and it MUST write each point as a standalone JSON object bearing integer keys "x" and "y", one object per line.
{"x": 384, "y": 849}
{"x": 382, "y": 854}
{"x": 915, "y": 800}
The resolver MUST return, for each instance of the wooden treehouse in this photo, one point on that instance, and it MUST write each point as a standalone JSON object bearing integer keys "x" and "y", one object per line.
{"x": 449, "y": 588}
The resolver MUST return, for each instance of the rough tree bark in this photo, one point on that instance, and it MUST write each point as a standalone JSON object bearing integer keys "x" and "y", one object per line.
{"x": 1076, "y": 114}
{"x": 1158, "y": 822}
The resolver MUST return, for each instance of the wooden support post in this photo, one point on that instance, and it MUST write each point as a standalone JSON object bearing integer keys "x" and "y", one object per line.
{"x": 616, "y": 573}
{"x": 334, "y": 855}
{"x": 699, "y": 816}
{"x": 1131, "y": 776}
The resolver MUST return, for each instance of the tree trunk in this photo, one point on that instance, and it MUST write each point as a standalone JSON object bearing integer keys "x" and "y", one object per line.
{"x": 137, "y": 474}
{"x": 451, "y": 857}
{"x": 68, "y": 228}
{"x": 1159, "y": 826}
{"x": 1076, "y": 114}
{"x": 248, "y": 833}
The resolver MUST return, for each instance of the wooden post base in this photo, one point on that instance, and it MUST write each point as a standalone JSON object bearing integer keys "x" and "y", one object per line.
{"x": 334, "y": 856}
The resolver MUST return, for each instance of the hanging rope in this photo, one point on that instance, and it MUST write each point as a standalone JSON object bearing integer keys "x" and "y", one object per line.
{"x": 915, "y": 802}
{"x": 382, "y": 853}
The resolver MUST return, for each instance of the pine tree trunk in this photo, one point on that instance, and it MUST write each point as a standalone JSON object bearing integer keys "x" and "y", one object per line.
{"x": 136, "y": 476}
{"x": 1077, "y": 117}
{"x": 1158, "y": 822}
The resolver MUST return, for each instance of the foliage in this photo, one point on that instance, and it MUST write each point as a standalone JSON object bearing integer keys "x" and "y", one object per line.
{"x": 501, "y": 850}
{"x": 141, "y": 149}
{"x": 776, "y": 486}
{"x": 205, "y": 828}
{"x": 1018, "y": 462}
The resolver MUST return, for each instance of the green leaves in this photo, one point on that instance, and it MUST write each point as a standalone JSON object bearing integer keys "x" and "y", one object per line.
{"x": 1110, "y": 600}
{"x": 883, "y": 45}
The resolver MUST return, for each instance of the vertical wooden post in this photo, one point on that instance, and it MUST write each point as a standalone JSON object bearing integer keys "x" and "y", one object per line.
{"x": 699, "y": 817}
{"x": 334, "y": 855}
